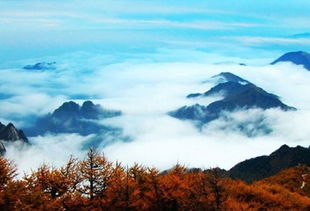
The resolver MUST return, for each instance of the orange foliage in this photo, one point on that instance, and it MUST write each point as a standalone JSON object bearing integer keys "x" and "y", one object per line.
{"x": 97, "y": 184}
{"x": 291, "y": 179}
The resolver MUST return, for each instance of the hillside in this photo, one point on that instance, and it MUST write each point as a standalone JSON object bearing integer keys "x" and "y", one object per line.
{"x": 265, "y": 166}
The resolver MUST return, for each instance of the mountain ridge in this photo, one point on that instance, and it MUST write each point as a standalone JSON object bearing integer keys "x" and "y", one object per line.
{"x": 297, "y": 57}
{"x": 268, "y": 165}
{"x": 237, "y": 94}
{"x": 70, "y": 117}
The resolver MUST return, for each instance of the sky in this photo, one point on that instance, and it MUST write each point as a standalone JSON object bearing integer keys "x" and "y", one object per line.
{"x": 143, "y": 58}
{"x": 230, "y": 27}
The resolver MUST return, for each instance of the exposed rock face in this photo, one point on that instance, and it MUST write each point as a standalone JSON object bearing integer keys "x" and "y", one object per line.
{"x": 41, "y": 66}
{"x": 9, "y": 133}
{"x": 265, "y": 166}
{"x": 70, "y": 117}
{"x": 2, "y": 149}
{"x": 298, "y": 58}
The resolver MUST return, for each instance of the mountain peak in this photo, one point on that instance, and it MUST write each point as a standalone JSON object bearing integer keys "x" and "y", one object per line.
{"x": 282, "y": 150}
{"x": 10, "y": 125}
{"x": 9, "y": 133}
{"x": 297, "y": 57}
{"x": 265, "y": 166}
{"x": 229, "y": 77}
{"x": 90, "y": 111}
{"x": 237, "y": 94}
{"x": 70, "y": 117}
{"x": 88, "y": 103}
{"x": 67, "y": 109}
{"x": 240, "y": 93}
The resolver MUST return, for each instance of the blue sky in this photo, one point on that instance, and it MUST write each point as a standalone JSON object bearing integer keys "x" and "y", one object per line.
{"x": 241, "y": 28}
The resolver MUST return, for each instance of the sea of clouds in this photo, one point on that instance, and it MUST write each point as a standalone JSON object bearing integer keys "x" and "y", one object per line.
{"x": 146, "y": 87}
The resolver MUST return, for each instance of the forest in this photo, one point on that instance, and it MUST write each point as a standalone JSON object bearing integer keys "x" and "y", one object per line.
{"x": 98, "y": 184}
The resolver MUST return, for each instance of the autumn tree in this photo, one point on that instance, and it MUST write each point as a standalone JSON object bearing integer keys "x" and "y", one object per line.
{"x": 216, "y": 183}
{"x": 97, "y": 184}
{"x": 7, "y": 172}
{"x": 155, "y": 188}
{"x": 173, "y": 188}
{"x": 198, "y": 196}
{"x": 94, "y": 173}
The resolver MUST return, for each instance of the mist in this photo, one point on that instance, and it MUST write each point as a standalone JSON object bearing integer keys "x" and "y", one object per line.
{"x": 145, "y": 90}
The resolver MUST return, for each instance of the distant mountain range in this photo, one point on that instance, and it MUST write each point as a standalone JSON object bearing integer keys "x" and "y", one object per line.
{"x": 41, "y": 66}
{"x": 265, "y": 166}
{"x": 237, "y": 93}
{"x": 8, "y": 133}
{"x": 298, "y": 58}
{"x": 70, "y": 117}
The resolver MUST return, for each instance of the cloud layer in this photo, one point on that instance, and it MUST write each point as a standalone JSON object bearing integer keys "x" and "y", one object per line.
{"x": 145, "y": 87}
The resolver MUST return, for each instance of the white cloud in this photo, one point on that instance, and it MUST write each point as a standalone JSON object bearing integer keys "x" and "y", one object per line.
{"x": 50, "y": 149}
{"x": 24, "y": 105}
{"x": 145, "y": 90}
{"x": 255, "y": 40}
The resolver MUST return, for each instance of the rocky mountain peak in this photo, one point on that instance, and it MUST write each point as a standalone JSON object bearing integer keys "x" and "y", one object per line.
{"x": 9, "y": 133}
{"x": 229, "y": 77}
{"x": 70, "y": 117}
{"x": 67, "y": 109}
{"x": 90, "y": 111}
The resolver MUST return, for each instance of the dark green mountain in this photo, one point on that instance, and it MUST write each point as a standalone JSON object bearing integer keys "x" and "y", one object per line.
{"x": 265, "y": 166}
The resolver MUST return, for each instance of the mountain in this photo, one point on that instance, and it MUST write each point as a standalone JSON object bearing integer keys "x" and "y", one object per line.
{"x": 8, "y": 133}
{"x": 298, "y": 58}
{"x": 223, "y": 80}
{"x": 194, "y": 112}
{"x": 2, "y": 149}
{"x": 243, "y": 96}
{"x": 291, "y": 179}
{"x": 229, "y": 77}
{"x": 237, "y": 94}
{"x": 265, "y": 166}
{"x": 41, "y": 66}
{"x": 70, "y": 117}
